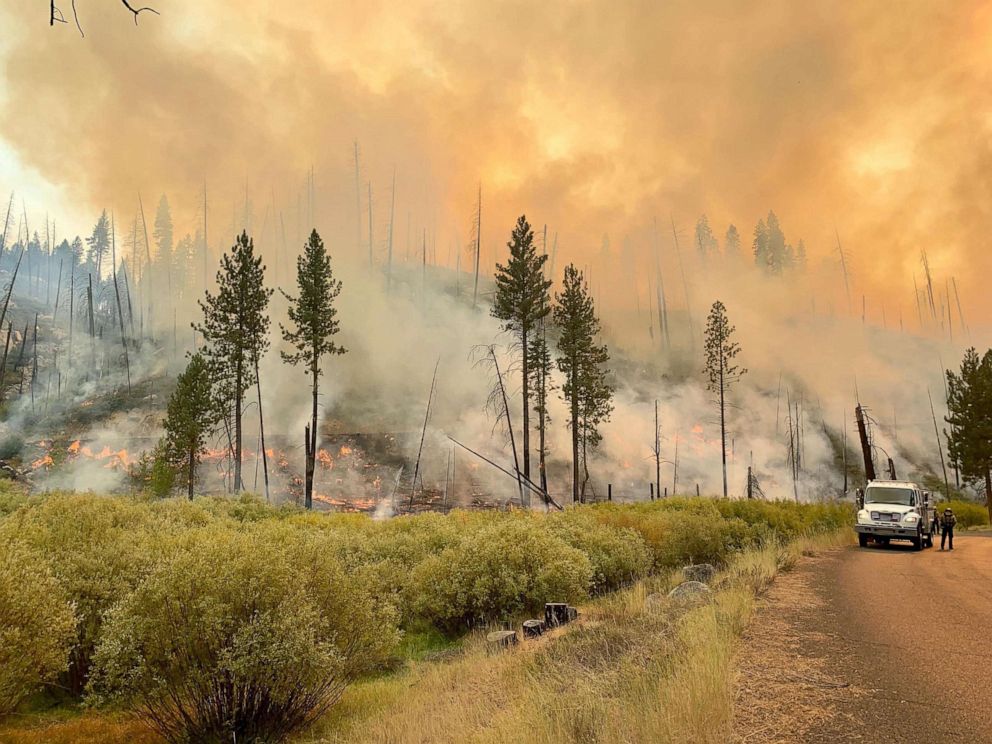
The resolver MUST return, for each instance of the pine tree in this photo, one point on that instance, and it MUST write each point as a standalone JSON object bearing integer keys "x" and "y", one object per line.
{"x": 759, "y": 246}
{"x": 720, "y": 370}
{"x": 521, "y": 301}
{"x": 585, "y": 389}
{"x": 732, "y": 242}
{"x": 235, "y": 335}
{"x": 969, "y": 404}
{"x": 99, "y": 243}
{"x": 313, "y": 316}
{"x": 775, "y": 257}
{"x": 801, "y": 255}
{"x": 706, "y": 242}
{"x": 190, "y": 417}
{"x": 163, "y": 231}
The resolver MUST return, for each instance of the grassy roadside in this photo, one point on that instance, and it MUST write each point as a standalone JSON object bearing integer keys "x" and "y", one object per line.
{"x": 633, "y": 669}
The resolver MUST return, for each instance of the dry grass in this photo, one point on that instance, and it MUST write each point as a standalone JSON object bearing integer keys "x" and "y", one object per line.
{"x": 88, "y": 728}
{"x": 629, "y": 671}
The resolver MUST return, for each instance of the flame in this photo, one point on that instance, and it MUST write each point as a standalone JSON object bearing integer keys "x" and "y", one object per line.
{"x": 324, "y": 458}
{"x": 73, "y": 448}
{"x": 43, "y": 462}
{"x": 345, "y": 450}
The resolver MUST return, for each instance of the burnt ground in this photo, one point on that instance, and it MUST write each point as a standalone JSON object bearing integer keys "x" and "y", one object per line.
{"x": 875, "y": 644}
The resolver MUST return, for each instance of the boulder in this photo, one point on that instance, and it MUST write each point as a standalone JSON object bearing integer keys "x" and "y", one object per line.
{"x": 689, "y": 590}
{"x": 702, "y": 572}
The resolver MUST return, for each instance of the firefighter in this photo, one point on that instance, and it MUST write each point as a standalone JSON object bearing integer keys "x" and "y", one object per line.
{"x": 947, "y": 522}
{"x": 935, "y": 524}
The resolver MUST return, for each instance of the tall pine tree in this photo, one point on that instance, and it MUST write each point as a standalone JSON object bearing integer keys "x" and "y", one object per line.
{"x": 314, "y": 326}
{"x": 721, "y": 373}
{"x": 521, "y": 301}
{"x": 582, "y": 360}
{"x": 235, "y": 335}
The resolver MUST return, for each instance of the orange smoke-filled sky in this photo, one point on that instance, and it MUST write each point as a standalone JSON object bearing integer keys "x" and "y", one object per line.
{"x": 590, "y": 115}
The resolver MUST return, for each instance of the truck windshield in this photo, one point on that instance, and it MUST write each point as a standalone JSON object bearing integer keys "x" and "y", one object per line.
{"x": 888, "y": 495}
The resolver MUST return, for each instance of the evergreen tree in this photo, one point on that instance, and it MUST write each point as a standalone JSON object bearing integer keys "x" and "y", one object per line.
{"x": 720, "y": 370}
{"x": 801, "y": 255}
{"x": 732, "y": 242}
{"x": 521, "y": 301}
{"x": 190, "y": 417}
{"x": 759, "y": 246}
{"x": 581, "y": 359}
{"x": 99, "y": 243}
{"x": 163, "y": 231}
{"x": 706, "y": 242}
{"x": 969, "y": 404}
{"x": 235, "y": 335}
{"x": 775, "y": 257}
{"x": 313, "y": 317}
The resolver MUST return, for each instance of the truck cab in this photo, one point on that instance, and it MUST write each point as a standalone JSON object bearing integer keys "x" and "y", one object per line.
{"x": 894, "y": 510}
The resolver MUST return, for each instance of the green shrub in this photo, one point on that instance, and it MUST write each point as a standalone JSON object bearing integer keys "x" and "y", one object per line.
{"x": 969, "y": 513}
{"x": 499, "y": 571}
{"x": 618, "y": 555}
{"x": 242, "y": 636}
{"x": 98, "y": 552}
{"x": 36, "y": 625}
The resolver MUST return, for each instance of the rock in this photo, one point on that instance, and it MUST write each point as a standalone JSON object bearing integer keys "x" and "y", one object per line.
{"x": 689, "y": 590}
{"x": 555, "y": 614}
{"x": 702, "y": 572}
{"x": 533, "y": 628}
{"x": 500, "y": 639}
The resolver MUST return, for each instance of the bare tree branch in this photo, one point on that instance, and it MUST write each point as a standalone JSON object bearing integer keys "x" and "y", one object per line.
{"x": 139, "y": 10}
{"x": 56, "y": 15}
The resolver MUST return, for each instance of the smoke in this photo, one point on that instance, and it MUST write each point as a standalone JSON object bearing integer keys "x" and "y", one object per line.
{"x": 606, "y": 122}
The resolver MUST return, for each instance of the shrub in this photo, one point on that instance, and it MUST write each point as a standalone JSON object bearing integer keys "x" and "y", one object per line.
{"x": 36, "y": 625}
{"x": 243, "y": 636}
{"x": 618, "y": 555}
{"x": 497, "y": 572}
{"x": 969, "y": 513}
{"x": 97, "y": 552}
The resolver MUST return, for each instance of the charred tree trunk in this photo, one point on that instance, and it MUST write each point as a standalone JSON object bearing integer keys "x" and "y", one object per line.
{"x": 261, "y": 432}
{"x": 311, "y": 449}
{"x": 574, "y": 404}
{"x": 525, "y": 359}
{"x": 6, "y": 349}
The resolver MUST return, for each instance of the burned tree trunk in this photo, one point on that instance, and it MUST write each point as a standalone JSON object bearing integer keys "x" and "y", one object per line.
{"x": 859, "y": 415}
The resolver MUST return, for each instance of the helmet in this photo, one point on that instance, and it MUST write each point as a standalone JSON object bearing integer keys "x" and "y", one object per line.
{"x": 948, "y": 510}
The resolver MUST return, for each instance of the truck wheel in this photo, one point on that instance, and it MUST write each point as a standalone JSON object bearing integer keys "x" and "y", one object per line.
{"x": 918, "y": 540}
{"x": 862, "y": 540}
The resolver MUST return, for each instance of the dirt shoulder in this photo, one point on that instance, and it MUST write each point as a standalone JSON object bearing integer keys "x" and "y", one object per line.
{"x": 871, "y": 644}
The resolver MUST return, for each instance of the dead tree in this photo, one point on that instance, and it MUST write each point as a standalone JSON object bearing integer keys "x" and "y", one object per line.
{"x": 657, "y": 452}
{"x": 358, "y": 206}
{"x": 10, "y": 287}
{"x": 423, "y": 432}
{"x": 940, "y": 448}
{"x": 117, "y": 296}
{"x": 389, "y": 243}
{"x": 863, "y": 435}
{"x": 478, "y": 246}
{"x": 6, "y": 225}
{"x": 6, "y": 349}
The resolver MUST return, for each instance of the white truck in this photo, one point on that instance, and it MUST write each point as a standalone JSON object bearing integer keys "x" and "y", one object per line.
{"x": 894, "y": 510}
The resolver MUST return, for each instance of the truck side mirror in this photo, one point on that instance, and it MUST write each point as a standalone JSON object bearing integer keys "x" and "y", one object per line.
{"x": 926, "y": 498}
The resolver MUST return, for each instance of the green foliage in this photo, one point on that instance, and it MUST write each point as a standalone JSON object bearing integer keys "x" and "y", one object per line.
{"x": 586, "y": 389}
{"x": 37, "y": 626}
{"x": 521, "y": 297}
{"x": 235, "y": 333}
{"x": 498, "y": 572}
{"x": 706, "y": 242}
{"x": 243, "y": 636}
{"x": 97, "y": 551}
{"x": 969, "y": 513}
{"x": 189, "y": 419}
{"x": 312, "y": 311}
{"x": 969, "y": 403}
{"x": 618, "y": 555}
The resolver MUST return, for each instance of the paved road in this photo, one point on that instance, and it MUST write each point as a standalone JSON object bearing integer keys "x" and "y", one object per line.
{"x": 900, "y": 643}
